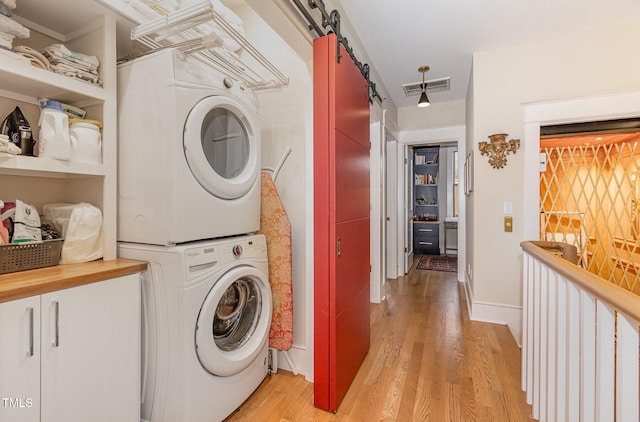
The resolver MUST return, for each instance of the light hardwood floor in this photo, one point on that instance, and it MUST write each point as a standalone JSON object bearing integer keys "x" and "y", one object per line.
{"x": 427, "y": 362}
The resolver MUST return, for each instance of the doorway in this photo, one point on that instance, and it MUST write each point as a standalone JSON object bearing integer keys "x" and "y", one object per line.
{"x": 621, "y": 105}
{"x": 589, "y": 193}
{"x": 434, "y": 222}
{"x": 453, "y": 136}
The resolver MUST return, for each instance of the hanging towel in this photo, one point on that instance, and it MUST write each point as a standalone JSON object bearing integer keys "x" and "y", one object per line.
{"x": 275, "y": 225}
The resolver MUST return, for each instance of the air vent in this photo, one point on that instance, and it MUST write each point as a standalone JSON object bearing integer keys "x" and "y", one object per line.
{"x": 434, "y": 85}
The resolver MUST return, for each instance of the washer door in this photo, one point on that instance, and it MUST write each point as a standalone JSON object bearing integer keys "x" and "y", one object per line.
{"x": 234, "y": 321}
{"x": 221, "y": 145}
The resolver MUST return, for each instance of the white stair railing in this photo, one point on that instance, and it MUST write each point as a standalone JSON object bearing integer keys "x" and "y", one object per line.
{"x": 580, "y": 359}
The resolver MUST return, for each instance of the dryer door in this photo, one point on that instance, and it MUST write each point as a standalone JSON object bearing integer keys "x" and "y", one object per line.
{"x": 222, "y": 148}
{"x": 234, "y": 321}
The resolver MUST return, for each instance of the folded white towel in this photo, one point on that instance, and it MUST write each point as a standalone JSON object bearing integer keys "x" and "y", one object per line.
{"x": 37, "y": 59}
{"x": 161, "y": 7}
{"x": 6, "y": 40}
{"x": 6, "y": 37}
{"x": 76, "y": 65}
{"x": 12, "y": 27}
{"x": 228, "y": 15}
{"x": 77, "y": 74}
{"x": 69, "y": 68}
{"x": 59, "y": 50}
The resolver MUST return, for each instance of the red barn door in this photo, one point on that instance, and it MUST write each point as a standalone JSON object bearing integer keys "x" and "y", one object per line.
{"x": 341, "y": 196}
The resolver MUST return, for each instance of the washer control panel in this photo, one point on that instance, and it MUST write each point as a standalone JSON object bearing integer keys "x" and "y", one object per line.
{"x": 208, "y": 254}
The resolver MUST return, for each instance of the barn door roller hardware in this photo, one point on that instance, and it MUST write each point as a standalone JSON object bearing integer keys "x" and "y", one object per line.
{"x": 332, "y": 20}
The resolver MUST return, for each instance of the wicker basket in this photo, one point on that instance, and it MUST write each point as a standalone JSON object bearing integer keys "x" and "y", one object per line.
{"x": 27, "y": 256}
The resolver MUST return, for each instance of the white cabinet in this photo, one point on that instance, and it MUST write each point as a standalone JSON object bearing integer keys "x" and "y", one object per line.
{"x": 90, "y": 28}
{"x": 20, "y": 360}
{"x": 85, "y": 364}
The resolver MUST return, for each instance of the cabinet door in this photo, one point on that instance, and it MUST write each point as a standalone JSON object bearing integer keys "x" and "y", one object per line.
{"x": 20, "y": 360}
{"x": 91, "y": 352}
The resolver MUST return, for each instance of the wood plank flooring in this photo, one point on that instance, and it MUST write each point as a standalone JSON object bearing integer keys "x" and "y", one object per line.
{"x": 427, "y": 362}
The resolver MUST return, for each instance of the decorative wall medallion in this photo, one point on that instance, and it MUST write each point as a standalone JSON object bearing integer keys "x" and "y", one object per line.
{"x": 497, "y": 149}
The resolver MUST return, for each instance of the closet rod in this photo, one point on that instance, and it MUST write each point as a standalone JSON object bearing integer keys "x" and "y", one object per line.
{"x": 312, "y": 23}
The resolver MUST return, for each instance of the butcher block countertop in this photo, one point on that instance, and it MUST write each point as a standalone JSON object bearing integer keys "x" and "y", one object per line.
{"x": 44, "y": 280}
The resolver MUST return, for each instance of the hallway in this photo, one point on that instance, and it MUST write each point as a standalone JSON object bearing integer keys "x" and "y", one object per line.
{"x": 427, "y": 362}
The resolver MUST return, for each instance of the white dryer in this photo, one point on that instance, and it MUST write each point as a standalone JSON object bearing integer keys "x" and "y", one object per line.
{"x": 206, "y": 318}
{"x": 188, "y": 152}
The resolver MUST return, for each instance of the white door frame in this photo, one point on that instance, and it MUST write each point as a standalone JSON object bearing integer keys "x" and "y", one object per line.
{"x": 406, "y": 183}
{"x": 377, "y": 201}
{"x": 436, "y": 136}
{"x": 391, "y": 203}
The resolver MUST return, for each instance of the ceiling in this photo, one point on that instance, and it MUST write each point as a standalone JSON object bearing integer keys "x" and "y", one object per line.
{"x": 401, "y": 35}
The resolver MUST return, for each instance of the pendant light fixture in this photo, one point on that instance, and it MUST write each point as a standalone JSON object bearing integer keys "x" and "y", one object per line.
{"x": 424, "y": 100}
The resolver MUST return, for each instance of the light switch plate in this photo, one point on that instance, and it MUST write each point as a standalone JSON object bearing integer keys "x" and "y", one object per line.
{"x": 508, "y": 223}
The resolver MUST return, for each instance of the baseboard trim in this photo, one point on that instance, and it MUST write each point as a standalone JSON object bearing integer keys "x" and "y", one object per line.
{"x": 298, "y": 356}
{"x": 498, "y": 313}
{"x": 468, "y": 295}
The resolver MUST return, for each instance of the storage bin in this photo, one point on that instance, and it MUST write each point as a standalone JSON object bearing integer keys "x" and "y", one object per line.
{"x": 29, "y": 255}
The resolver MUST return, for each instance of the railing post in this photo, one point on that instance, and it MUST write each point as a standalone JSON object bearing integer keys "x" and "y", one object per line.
{"x": 552, "y": 346}
{"x": 605, "y": 370}
{"x": 562, "y": 311}
{"x": 587, "y": 357}
{"x": 537, "y": 336}
{"x": 573, "y": 353}
{"x": 627, "y": 370}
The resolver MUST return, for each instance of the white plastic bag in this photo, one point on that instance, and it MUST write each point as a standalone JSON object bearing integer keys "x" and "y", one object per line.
{"x": 80, "y": 226}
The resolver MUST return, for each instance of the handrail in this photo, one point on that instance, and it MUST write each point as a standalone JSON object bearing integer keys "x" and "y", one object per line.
{"x": 615, "y": 296}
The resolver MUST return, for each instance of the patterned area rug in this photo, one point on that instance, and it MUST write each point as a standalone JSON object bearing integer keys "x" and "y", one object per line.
{"x": 438, "y": 263}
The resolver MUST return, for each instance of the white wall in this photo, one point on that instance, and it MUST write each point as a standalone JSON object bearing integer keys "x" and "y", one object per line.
{"x": 598, "y": 61}
{"x": 446, "y": 114}
{"x": 286, "y": 121}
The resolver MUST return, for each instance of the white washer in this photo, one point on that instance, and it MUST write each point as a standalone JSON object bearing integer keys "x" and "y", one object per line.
{"x": 188, "y": 152}
{"x": 206, "y": 318}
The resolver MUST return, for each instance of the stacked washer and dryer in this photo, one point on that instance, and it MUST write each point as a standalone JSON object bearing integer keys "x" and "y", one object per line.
{"x": 189, "y": 203}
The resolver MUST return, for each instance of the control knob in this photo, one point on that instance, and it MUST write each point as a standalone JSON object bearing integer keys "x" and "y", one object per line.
{"x": 237, "y": 250}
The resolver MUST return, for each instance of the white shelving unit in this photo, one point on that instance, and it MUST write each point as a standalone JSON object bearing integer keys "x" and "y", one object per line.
{"x": 88, "y": 27}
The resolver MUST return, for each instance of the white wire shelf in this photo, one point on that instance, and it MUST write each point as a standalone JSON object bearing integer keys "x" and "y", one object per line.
{"x": 188, "y": 31}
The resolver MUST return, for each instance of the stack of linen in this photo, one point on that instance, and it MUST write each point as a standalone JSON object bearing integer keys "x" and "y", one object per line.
{"x": 10, "y": 29}
{"x": 71, "y": 63}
